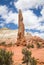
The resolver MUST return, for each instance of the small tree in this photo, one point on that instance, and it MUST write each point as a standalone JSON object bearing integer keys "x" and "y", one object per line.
{"x": 28, "y": 46}
{"x": 27, "y": 57}
{"x": 38, "y": 45}
{"x": 33, "y": 61}
{"x": 5, "y": 57}
{"x": 32, "y": 46}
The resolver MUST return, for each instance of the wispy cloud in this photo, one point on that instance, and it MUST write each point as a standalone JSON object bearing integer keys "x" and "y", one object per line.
{"x": 27, "y": 4}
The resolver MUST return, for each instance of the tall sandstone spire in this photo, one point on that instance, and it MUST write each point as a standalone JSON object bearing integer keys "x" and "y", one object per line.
{"x": 20, "y": 25}
{"x": 20, "y": 37}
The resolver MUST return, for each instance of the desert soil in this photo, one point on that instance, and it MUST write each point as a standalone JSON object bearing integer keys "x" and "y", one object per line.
{"x": 17, "y": 54}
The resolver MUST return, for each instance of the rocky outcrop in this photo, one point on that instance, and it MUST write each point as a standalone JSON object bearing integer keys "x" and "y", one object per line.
{"x": 28, "y": 39}
{"x": 20, "y": 36}
{"x": 20, "y": 26}
{"x": 33, "y": 40}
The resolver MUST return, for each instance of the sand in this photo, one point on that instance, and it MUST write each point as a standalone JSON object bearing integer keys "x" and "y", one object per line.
{"x": 17, "y": 54}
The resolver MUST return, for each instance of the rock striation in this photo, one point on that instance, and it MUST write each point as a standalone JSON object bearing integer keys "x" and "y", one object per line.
{"x": 20, "y": 36}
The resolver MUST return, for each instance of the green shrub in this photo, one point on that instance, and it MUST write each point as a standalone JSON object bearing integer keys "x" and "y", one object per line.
{"x": 5, "y": 57}
{"x": 2, "y": 43}
{"x": 38, "y": 45}
{"x": 32, "y": 46}
{"x": 28, "y": 46}
{"x": 27, "y": 57}
{"x": 33, "y": 61}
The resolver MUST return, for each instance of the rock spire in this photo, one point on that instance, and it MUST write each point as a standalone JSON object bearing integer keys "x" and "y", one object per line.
{"x": 20, "y": 37}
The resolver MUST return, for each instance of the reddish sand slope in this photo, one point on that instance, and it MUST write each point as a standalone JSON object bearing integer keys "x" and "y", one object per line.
{"x": 17, "y": 57}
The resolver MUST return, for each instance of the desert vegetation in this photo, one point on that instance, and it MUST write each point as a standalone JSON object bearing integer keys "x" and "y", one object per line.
{"x": 10, "y": 44}
{"x": 2, "y": 43}
{"x": 7, "y": 45}
{"x": 5, "y": 57}
{"x": 38, "y": 45}
{"x": 30, "y": 46}
{"x": 27, "y": 57}
{"x": 21, "y": 55}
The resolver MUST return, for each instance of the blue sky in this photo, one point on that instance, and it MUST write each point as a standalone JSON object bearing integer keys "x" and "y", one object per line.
{"x": 33, "y": 14}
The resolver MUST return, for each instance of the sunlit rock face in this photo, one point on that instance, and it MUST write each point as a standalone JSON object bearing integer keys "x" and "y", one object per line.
{"x": 20, "y": 37}
{"x": 20, "y": 25}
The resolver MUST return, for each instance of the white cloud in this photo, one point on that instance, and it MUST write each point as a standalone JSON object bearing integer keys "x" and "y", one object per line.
{"x": 41, "y": 28}
{"x": 30, "y": 19}
{"x": 3, "y": 10}
{"x": 38, "y": 34}
{"x": 42, "y": 12}
{"x": 8, "y": 16}
{"x": 26, "y": 4}
{"x": 2, "y": 24}
{"x": 11, "y": 17}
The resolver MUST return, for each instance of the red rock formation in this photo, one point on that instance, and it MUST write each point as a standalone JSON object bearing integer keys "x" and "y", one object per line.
{"x": 20, "y": 25}
{"x": 20, "y": 38}
{"x": 34, "y": 40}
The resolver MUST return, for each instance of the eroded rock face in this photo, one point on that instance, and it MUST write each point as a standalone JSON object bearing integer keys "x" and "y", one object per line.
{"x": 20, "y": 25}
{"x": 20, "y": 38}
{"x": 23, "y": 39}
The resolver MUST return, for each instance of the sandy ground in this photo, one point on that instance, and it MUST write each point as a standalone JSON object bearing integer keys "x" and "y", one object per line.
{"x": 17, "y": 51}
